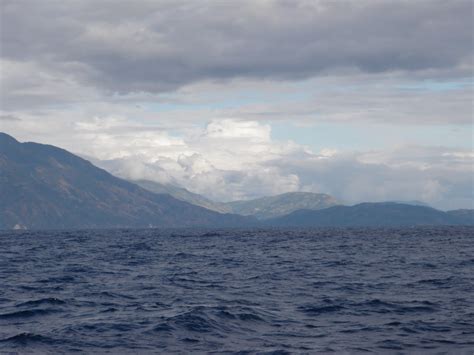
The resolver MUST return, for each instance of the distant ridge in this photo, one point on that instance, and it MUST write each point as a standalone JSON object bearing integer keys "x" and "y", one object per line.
{"x": 183, "y": 195}
{"x": 412, "y": 202}
{"x": 279, "y": 205}
{"x": 45, "y": 187}
{"x": 261, "y": 208}
{"x": 368, "y": 215}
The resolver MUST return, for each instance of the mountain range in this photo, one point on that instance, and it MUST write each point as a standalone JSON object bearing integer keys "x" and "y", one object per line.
{"x": 42, "y": 187}
{"x": 46, "y": 187}
{"x": 262, "y": 208}
{"x": 389, "y": 214}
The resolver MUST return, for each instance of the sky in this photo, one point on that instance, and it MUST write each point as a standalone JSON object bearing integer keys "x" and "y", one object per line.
{"x": 364, "y": 100}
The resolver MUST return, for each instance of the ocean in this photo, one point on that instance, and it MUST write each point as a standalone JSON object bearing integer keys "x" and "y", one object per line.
{"x": 266, "y": 291}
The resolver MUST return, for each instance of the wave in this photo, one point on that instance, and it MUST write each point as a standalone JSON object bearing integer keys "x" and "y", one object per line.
{"x": 28, "y": 313}
{"x": 28, "y": 338}
{"x": 39, "y": 302}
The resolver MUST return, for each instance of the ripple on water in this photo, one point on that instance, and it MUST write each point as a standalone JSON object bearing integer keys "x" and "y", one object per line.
{"x": 238, "y": 291}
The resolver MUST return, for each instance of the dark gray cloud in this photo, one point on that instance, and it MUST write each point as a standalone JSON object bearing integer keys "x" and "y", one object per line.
{"x": 149, "y": 46}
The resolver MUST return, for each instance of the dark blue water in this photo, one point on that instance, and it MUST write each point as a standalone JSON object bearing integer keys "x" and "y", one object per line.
{"x": 254, "y": 291}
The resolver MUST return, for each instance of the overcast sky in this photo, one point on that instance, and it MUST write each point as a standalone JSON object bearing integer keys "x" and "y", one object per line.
{"x": 365, "y": 100}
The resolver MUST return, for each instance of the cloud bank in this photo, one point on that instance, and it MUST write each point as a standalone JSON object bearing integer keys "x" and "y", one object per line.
{"x": 190, "y": 92}
{"x": 229, "y": 160}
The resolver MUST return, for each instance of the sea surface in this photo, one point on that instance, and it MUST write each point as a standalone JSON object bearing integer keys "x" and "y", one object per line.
{"x": 249, "y": 291}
